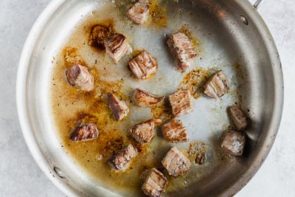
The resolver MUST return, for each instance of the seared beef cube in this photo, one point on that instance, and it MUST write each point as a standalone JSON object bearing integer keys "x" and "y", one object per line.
{"x": 121, "y": 160}
{"x": 200, "y": 158}
{"x": 144, "y": 132}
{"x": 154, "y": 184}
{"x": 99, "y": 33}
{"x": 119, "y": 108}
{"x": 180, "y": 102}
{"x": 182, "y": 48}
{"x": 174, "y": 131}
{"x": 85, "y": 132}
{"x": 145, "y": 99}
{"x": 217, "y": 85}
{"x": 233, "y": 143}
{"x": 139, "y": 12}
{"x": 79, "y": 76}
{"x": 176, "y": 163}
{"x": 117, "y": 46}
{"x": 238, "y": 117}
{"x": 143, "y": 65}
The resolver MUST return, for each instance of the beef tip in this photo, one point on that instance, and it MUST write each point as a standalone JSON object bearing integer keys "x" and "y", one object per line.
{"x": 99, "y": 33}
{"x": 217, "y": 85}
{"x": 200, "y": 158}
{"x": 121, "y": 160}
{"x": 238, "y": 117}
{"x": 176, "y": 163}
{"x": 233, "y": 143}
{"x": 145, "y": 99}
{"x": 180, "y": 102}
{"x": 174, "y": 131}
{"x": 79, "y": 76}
{"x": 143, "y": 65}
{"x": 182, "y": 48}
{"x": 139, "y": 12}
{"x": 154, "y": 184}
{"x": 117, "y": 46}
{"x": 119, "y": 108}
{"x": 145, "y": 131}
{"x": 85, "y": 132}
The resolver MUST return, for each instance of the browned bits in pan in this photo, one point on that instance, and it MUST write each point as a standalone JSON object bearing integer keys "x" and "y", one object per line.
{"x": 99, "y": 33}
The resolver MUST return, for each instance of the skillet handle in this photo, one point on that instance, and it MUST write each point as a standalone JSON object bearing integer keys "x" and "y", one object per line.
{"x": 257, "y": 3}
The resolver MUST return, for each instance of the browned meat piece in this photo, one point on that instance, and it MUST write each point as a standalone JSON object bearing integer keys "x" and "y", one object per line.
{"x": 145, "y": 131}
{"x": 238, "y": 117}
{"x": 79, "y": 76}
{"x": 139, "y": 12}
{"x": 154, "y": 184}
{"x": 99, "y": 33}
{"x": 122, "y": 159}
{"x": 217, "y": 85}
{"x": 176, "y": 163}
{"x": 180, "y": 102}
{"x": 182, "y": 48}
{"x": 145, "y": 99}
{"x": 233, "y": 143}
{"x": 200, "y": 158}
{"x": 143, "y": 65}
{"x": 117, "y": 46}
{"x": 119, "y": 108}
{"x": 174, "y": 131}
{"x": 85, "y": 132}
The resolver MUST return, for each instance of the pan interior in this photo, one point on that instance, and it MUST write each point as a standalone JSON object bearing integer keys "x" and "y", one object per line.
{"x": 225, "y": 42}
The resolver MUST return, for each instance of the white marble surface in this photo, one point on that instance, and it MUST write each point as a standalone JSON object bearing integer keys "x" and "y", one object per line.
{"x": 20, "y": 176}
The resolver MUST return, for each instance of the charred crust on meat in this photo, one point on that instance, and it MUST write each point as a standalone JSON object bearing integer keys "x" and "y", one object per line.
{"x": 117, "y": 46}
{"x": 118, "y": 107}
{"x": 217, "y": 85}
{"x": 139, "y": 12}
{"x": 238, "y": 117}
{"x": 174, "y": 131}
{"x": 143, "y": 98}
{"x": 143, "y": 65}
{"x": 85, "y": 132}
{"x": 145, "y": 131}
{"x": 120, "y": 161}
{"x": 180, "y": 102}
{"x": 155, "y": 183}
{"x": 99, "y": 33}
{"x": 182, "y": 48}
{"x": 79, "y": 76}
{"x": 176, "y": 163}
{"x": 233, "y": 143}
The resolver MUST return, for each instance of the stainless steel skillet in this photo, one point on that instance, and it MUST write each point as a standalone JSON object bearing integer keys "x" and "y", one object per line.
{"x": 230, "y": 31}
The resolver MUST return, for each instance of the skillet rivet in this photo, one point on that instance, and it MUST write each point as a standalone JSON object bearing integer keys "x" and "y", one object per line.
{"x": 244, "y": 20}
